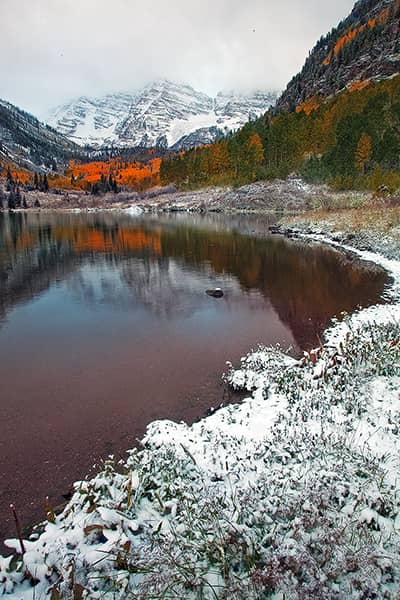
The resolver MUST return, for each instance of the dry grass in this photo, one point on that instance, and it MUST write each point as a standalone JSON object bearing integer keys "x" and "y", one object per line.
{"x": 373, "y": 217}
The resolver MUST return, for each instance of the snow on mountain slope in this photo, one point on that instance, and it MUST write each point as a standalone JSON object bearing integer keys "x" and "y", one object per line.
{"x": 163, "y": 114}
{"x": 88, "y": 120}
{"x": 157, "y": 106}
{"x": 180, "y": 128}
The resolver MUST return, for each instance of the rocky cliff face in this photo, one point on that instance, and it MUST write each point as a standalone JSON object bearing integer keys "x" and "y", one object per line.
{"x": 30, "y": 143}
{"x": 364, "y": 47}
{"x": 163, "y": 114}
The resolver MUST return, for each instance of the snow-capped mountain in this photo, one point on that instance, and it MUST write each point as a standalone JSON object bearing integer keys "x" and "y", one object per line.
{"x": 163, "y": 114}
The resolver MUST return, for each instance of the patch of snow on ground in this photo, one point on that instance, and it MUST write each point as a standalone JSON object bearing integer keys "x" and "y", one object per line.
{"x": 133, "y": 210}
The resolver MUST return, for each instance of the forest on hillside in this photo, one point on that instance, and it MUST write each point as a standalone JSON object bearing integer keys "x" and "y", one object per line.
{"x": 350, "y": 141}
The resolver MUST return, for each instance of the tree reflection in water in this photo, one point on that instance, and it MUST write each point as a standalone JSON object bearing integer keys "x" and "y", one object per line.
{"x": 165, "y": 264}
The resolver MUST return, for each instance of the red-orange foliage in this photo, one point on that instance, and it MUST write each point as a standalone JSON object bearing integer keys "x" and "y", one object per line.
{"x": 309, "y": 105}
{"x": 358, "y": 85}
{"x": 78, "y": 175}
{"x": 347, "y": 37}
{"x": 84, "y": 238}
{"x": 125, "y": 172}
{"x": 21, "y": 175}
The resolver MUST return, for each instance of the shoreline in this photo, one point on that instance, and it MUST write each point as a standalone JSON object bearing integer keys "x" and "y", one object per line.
{"x": 129, "y": 509}
{"x": 292, "y": 195}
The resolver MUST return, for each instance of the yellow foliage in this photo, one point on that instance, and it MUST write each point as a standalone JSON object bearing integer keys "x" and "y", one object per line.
{"x": 309, "y": 105}
{"x": 363, "y": 152}
{"x": 350, "y": 34}
{"x": 358, "y": 85}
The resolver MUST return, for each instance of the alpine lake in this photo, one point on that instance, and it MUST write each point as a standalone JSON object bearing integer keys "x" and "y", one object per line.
{"x": 105, "y": 326}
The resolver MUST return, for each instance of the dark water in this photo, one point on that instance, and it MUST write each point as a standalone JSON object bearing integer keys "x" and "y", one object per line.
{"x": 105, "y": 326}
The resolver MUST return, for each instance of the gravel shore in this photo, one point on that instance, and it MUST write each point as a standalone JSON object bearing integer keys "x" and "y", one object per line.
{"x": 287, "y": 196}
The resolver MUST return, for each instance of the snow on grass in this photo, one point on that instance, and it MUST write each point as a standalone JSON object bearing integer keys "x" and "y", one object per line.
{"x": 294, "y": 493}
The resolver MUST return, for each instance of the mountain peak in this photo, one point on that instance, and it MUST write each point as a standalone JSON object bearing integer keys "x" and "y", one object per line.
{"x": 163, "y": 113}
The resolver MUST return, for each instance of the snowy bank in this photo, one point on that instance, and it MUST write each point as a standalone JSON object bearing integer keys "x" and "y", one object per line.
{"x": 294, "y": 493}
{"x": 133, "y": 210}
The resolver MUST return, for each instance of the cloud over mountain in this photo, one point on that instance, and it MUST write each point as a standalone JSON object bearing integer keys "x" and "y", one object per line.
{"x": 52, "y": 51}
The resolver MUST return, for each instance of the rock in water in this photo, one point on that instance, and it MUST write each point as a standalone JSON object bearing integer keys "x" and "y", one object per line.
{"x": 215, "y": 293}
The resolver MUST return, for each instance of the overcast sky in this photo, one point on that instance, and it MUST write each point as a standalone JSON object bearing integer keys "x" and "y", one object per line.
{"x": 54, "y": 50}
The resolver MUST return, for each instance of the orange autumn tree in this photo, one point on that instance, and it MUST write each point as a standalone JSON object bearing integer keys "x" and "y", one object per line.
{"x": 254, "y": 153}
{"x": 351, "y": 34}
{"x": 129, "y": 173}
{"x": 363, "y": 152}
{"x": 220, "y": 160}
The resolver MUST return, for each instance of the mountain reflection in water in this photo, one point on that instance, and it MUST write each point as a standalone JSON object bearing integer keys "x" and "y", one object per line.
{"x": 166, "y": 264}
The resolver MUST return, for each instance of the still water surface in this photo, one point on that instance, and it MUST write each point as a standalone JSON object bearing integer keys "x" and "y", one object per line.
{"x": 105, "y": 326}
